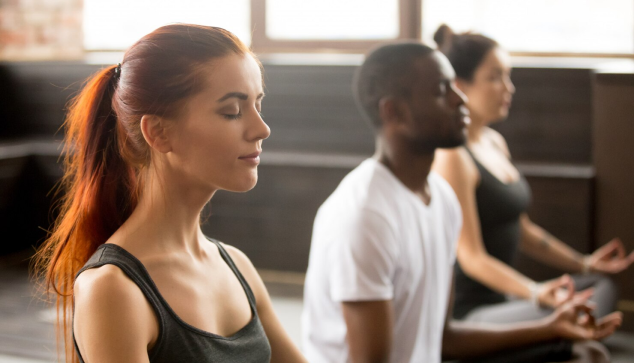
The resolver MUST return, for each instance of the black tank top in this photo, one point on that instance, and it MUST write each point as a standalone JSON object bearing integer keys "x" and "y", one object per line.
{"x": 499, "y": 208}
{"x": 179, "y": 341}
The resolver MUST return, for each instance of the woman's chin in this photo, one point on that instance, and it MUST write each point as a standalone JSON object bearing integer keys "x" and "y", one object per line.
{"x": 499, "y": 116}
{"x": 244, "y": 185}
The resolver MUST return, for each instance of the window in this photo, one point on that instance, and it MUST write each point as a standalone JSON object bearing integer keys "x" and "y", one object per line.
{"x": 329, "y": 25}
{"x": 331, "y": 19}
{"x": 539, "y": 26}
{"x": 561, "y": 27}
{"x": 117, "y": 24}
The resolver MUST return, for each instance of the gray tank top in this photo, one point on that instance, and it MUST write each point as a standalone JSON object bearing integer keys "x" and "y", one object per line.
{"x": 178, "y": 341}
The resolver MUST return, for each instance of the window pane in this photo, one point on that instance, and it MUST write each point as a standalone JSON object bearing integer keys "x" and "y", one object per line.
{"x": 331, "y": 19}
{"x": 117, "y": 24}
{"x": 558, "y": 26}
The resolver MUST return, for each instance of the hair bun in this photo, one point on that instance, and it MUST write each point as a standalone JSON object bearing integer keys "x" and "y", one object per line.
{"x": 443, "y": 37}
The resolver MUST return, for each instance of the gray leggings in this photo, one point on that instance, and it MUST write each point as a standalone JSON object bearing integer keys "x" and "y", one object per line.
{"x": 512, "y": 311}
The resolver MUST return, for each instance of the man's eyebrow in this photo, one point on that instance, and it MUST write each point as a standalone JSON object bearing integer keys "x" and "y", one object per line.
{"x": 240, "y": 95}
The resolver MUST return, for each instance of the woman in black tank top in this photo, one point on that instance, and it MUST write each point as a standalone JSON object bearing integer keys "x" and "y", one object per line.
{"x": 149, "y": 141}
{"x": 494, "y": 197}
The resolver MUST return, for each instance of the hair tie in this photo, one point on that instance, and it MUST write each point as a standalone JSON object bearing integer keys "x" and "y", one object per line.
{"x": 117, "y": 71}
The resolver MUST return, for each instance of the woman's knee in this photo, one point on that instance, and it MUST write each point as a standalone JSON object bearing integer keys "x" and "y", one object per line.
{"x": 589, "y": 351}
{"x": 605, "y": 292}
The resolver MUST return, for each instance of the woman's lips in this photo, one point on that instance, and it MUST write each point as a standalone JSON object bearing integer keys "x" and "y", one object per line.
{"x": 251, "y": 158}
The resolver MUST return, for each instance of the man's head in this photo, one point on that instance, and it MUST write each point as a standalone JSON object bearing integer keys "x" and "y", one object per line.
{"x": 407, "y": 90}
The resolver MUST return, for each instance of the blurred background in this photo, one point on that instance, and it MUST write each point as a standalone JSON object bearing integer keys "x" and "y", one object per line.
{"x": 570, "y": 128}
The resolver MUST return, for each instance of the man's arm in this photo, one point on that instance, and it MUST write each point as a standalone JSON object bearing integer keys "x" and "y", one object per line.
{"x": 465, "y": 340}
{"x": 370, "y": 330}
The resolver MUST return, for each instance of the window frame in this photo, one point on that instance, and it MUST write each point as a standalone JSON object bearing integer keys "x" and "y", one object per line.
{"x": 410, "y": 20}
{"x": 410, "y": 28}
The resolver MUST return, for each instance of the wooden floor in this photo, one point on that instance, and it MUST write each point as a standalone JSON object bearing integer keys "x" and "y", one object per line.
{"x": 26, "y": 322}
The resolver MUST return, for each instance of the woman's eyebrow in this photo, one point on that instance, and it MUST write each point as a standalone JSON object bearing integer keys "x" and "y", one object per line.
{"x": 240, "y": 95}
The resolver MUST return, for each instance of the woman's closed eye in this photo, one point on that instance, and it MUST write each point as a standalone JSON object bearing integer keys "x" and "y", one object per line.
{"x": 231, "y": 116}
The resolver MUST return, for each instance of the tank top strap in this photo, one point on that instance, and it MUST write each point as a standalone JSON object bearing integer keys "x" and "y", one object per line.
{"x": 236, "y": 271}
{"x": 484, "y": 172}
{"x": 111, "y": 254}
{"x": 472, "y": 156}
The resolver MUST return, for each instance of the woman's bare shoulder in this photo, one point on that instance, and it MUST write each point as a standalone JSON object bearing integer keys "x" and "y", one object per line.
{"x": 455, "y": 164}
{"x": 112, "y": 316}
{"x": 241, "y": 260}
{"x": 108, "y": 291}
{"x": 249, "y": 272}
{"x": 106, "y": 279}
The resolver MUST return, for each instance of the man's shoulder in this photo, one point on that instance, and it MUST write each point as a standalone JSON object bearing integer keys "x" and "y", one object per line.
{"x": 442, "y": 188}
{"x": 447, "y": 199}
{"x": 367, "y": 188}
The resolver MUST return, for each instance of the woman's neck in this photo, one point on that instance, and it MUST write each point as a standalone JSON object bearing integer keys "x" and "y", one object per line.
{"x": 475, "y": 130}
{"x": 166, "y": 218}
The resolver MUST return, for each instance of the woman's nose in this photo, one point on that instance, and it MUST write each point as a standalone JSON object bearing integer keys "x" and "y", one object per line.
{"x": 259, "y": 130}
{"x": 509, "y": 85}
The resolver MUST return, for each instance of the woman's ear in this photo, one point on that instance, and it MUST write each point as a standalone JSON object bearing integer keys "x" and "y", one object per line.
{"x": 155, "y": 133}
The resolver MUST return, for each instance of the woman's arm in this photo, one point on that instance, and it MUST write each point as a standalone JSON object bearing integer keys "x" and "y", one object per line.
{"x": 282, "y": 347}
{"x": 459, "y": 170}
{"x": 113, "y": 321}
{"x": 543, "y": 246}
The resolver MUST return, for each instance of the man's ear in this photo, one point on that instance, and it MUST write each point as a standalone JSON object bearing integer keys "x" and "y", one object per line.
{"x": 392, "y": 111}
{"x": 155, "y": 133}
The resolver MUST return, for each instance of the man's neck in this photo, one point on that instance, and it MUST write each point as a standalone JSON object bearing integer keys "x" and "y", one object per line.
{"x": 411, "y": 169}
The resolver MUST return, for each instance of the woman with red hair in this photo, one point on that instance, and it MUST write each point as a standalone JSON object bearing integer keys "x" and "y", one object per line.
{"x": 149, "y": 143}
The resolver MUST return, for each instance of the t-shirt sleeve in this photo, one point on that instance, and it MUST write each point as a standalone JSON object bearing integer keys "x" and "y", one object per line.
{"x": 363, "y": 258}
{"x": 454, "y": 217}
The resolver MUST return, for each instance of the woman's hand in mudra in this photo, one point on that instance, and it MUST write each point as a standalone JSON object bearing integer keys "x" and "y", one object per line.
{"x": 610, "y": 259}
{"x": 554, "y": 293}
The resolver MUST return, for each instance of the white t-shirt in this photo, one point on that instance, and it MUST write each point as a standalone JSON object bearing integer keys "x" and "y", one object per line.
{"x": 374, "y": 239}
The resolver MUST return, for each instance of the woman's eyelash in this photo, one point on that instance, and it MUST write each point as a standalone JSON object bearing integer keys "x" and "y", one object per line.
{"x": 233, "y": 116}
{"x": 230, "y": 116}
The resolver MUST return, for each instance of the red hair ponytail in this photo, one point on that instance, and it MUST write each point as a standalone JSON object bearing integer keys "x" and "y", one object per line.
{"x": 99, "y": 193}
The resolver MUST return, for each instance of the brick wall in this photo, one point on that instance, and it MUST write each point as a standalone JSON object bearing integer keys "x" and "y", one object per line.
{"x": 40, "y": 29}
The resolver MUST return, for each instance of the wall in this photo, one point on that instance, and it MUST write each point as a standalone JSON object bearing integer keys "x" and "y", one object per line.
{"x": 318, "y": 136}
{"x": 41, "y": 29}
{"x": 613, "y": 154}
